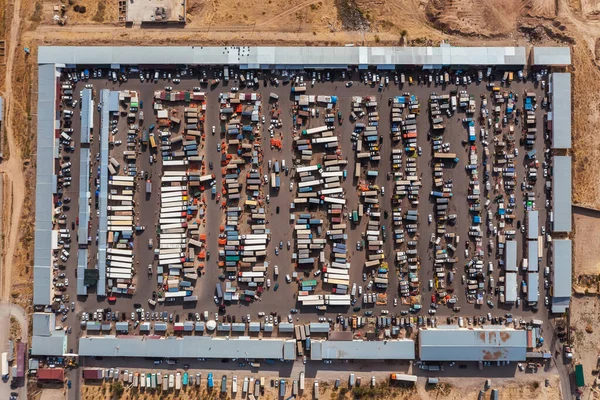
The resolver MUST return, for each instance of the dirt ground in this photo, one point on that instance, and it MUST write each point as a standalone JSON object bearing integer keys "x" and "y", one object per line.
{"x": 448, "y": 390}
{"x": 587, "y": 265}
{"x": 585, "y": 316}
{"x": 49, "y": 394}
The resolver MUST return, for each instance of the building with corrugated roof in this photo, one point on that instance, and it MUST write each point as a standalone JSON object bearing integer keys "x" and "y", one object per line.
{"x": 562, "y": 194}
{"x": 560, "y": 117}
{"x": 511, "y": 256}
{"x": 51, "y": 374}
{"x": 187, "y": 347}
{"x": 533, "y": 224}
{"x": 489, "y": 343}
{"x": 561, "y": 275}
{"x": 402, "y": 349}
{"x": 551, "y": 56}
{"x": 286, "y": 327}
{"x": 46, "y": 340}
{"x": 286, "y": 57}
{"x": 510, "y": 287}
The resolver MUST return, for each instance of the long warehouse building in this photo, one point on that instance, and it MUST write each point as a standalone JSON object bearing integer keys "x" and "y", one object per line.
{"x": 451, "y": 343}
{"x": 186, "y": 347}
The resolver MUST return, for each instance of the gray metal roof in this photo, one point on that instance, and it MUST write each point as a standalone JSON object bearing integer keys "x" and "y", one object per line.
{"x": 532, "y": 255}
{"x": 266, "y": 57}
{"x": 510, "y": 281}
{"x": 113, "y": 102}
{"x": 561, "y": 110}
{"x": 84, "y": 196}
{"x": 54, "y": 345}
{"x": 560, "y": 304}
{"x": 82, "y": 255}
{"x": 42, "y": 256}
{"x": 87, "y": 115}
{"x": 561, "y": 194}
{"x": 93, "y": 326}
{"x": 532, "y": 224}
{"x": 562, "y": 270}
{"x": 362, "y": 350}
{"x": 286, "y": 327}
{"x": 224, "y": 327}
{"x": 319, "y": 327}
{"x": 43, "y": 323}
{"x": 533, "y": 283}
{"x": 185, "y": 347}
{"x": 122, "y": 326}
{"x": 511, "y": 255}
{"x": 254, "y": 327}
{"x": 160, "y": 327}
{"x": 103, "y": 197}
{"x": 552, "y": 56}
{"x": 451, "y": 343}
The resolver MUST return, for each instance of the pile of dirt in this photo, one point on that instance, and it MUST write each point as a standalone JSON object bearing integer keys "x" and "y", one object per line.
{"x": 352, "y": 16}
{"x": 541, "y": 9}
{"x": 484, "y": 18}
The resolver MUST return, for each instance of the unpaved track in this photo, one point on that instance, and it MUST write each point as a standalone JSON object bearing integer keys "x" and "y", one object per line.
{"x": 14, "y": 195}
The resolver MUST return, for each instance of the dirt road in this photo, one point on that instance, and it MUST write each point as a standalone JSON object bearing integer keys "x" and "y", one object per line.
{"x": 12, "y": 169}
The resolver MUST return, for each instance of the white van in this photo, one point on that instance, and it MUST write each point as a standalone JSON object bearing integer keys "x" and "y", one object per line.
{"x": 152, "y": 302}
{"x": 64, "y": 230}
{"x": 65, "y": 136}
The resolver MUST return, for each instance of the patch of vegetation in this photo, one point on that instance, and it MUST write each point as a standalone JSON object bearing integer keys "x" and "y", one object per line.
{"x": 352, "y": 17}
{"x": 99, "y": 17}
{"x": 37, "y": 13}
{"x": 117, "y": 389}
{"x": 387, "y": 25}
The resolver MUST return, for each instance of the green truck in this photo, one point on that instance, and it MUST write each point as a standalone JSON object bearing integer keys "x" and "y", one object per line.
{"x": 579, "y": 379}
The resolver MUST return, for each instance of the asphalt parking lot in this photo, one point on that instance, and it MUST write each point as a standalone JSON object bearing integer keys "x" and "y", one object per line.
{"x": 279, "y": 223}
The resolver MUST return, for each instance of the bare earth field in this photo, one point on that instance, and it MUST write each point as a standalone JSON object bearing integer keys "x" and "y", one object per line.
{"x": 317, "y": 22}
{"x": 588, "y": 262}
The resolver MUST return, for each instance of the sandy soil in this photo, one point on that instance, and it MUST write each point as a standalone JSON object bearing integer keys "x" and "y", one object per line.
{"x": 96, "y": 11}
{"x": 476, "y": 18}
{"x": 49, "y": 394}
{"x": 586, "y": 235}
{"x": 585, "y": 316}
